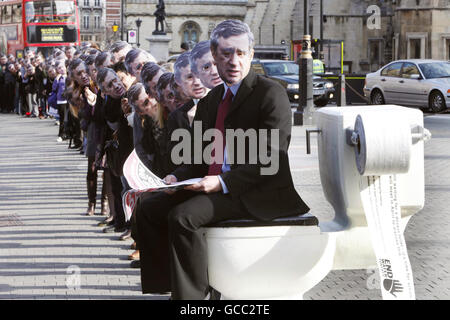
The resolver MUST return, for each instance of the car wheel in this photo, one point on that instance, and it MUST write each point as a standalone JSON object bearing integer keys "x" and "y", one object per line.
{"x": 377, "y": 97}
{"x": 321, "y": 102}
{"x": 437, "y": 102}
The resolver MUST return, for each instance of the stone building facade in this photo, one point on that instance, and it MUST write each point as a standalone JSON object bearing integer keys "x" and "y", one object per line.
{"x": 373, "y": 32}
{"x": 422, "y": 29}
{"x": 92, "y": 15}
{"x": 186, "y": 20}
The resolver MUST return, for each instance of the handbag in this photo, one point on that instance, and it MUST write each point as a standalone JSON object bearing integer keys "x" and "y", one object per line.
{"x": 113, "y": 157}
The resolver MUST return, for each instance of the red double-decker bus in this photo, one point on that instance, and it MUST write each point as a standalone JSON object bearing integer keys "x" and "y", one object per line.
{"x": 38, "y": 25}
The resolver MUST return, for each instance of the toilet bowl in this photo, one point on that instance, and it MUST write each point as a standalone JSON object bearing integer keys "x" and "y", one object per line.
{"x": 280, "y": 261}
{"x": 285, "y": 258}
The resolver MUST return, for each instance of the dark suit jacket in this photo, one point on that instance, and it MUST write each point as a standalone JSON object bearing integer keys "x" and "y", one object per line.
{"x": 260, "y": 103}
{"x": 114, "y": 114}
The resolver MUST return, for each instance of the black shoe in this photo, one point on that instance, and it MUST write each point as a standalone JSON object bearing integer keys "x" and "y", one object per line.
{"x": 109, "y": 229}
{"x": 126, "y": 235}
{"x": 120, "y": 229}
{"x": 135, "y": 264}
{"x": 75, "y": 146}
{"x": 107, "y": 222}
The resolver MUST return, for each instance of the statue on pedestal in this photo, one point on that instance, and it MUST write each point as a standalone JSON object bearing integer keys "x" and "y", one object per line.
{"x": 160, "y": 15}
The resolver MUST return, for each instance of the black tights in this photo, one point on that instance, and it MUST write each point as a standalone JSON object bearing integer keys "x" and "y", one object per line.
{"x": 91, "y": 180}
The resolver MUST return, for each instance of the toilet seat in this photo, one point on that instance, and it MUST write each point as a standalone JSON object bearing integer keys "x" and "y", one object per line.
{"x": 306, "y": 219}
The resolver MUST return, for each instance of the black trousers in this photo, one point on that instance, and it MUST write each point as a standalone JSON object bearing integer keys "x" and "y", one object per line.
{"x": 62, "y": 110}
{"x": 119, "y": 214}
{"x": 91, "y": 180}
{"x": 9, "y": 95}
{"x": 171, "y": 242}
{"x": 107, "y": 189}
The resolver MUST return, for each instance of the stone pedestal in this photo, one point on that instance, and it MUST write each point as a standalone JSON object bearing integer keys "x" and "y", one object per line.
{"x": 159, "y": 46}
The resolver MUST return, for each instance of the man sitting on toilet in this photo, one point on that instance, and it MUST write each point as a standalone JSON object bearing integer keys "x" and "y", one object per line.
{"x": 175, "y": 259}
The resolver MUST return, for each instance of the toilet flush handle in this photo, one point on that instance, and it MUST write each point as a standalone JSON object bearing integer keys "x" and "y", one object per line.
{"x": 308, "y": 138}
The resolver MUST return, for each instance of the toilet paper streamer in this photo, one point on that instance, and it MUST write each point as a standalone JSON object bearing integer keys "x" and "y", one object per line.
{"x": 384, "y": 149}
{"x": 384, "y": 144}
{"x": 383, "y": 213}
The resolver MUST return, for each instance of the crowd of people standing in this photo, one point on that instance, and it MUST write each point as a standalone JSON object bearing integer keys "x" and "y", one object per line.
{"x": 110, "y": 102}
{"x": 107, "y": 103}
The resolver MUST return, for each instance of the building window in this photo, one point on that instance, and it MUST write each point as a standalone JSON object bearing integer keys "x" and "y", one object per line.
{"x": 6, "y": 14}
{"x": 375, "y": 54}
{"x": 86, "y": 3}
{"x": 447, "y": 50}
{"x": 415, "y": 48}
{"x": 416, "y": 45}
{"x": 17, "y": 13}
{"x": 97, "y": 22}
{"x": 97, "y": 3}
{"x": 86, "y": 22}
{"x": 191, "y": 32}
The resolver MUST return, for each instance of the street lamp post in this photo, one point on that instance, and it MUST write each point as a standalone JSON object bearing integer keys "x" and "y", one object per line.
{"x": 122, "y": 14}
{"x": 303, "y": 114}
{"x": 321, "y": 30}
{"x": 138, "y": 25}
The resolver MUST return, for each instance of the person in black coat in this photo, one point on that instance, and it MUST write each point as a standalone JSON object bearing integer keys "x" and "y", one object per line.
{"x": 3, "y": 70}
{"x": 31, "y": 90}
{"x": 229, "y": 189}
{"x": 115, "y": 90}
{"x": 41, "y": 79}
{"x": 10, "y": 86}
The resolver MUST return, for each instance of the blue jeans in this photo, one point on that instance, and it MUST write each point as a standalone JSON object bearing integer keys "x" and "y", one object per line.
{"x": 42, "y": 101}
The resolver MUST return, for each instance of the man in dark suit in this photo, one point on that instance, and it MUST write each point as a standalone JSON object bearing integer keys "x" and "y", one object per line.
{"x": 230, "y": 189}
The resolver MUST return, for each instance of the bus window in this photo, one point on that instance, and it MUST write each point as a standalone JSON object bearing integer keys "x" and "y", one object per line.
{"x": 38, "y": 11}
{"x": 17, "y": 12}
{"x": 63, "y": 11}
{"x": 6, "y": 14}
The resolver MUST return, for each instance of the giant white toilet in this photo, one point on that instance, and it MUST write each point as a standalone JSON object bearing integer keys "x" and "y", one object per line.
{"x": 288, "y": 257}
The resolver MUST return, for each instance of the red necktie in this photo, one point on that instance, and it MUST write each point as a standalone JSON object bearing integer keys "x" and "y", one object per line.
{"x": 216, "y": 168}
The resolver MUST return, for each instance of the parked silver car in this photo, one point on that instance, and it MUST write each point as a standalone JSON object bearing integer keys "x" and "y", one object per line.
{"x": 416, "y": 83}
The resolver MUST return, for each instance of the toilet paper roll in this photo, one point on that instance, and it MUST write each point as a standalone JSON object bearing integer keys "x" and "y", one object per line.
{"x": 384, "y": 144}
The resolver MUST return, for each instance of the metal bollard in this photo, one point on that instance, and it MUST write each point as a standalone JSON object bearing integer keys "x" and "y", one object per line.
{"x": 341, "y": 94}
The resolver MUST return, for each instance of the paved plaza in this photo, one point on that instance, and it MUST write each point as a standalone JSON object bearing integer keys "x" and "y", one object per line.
{"x": 49, "y": 250}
